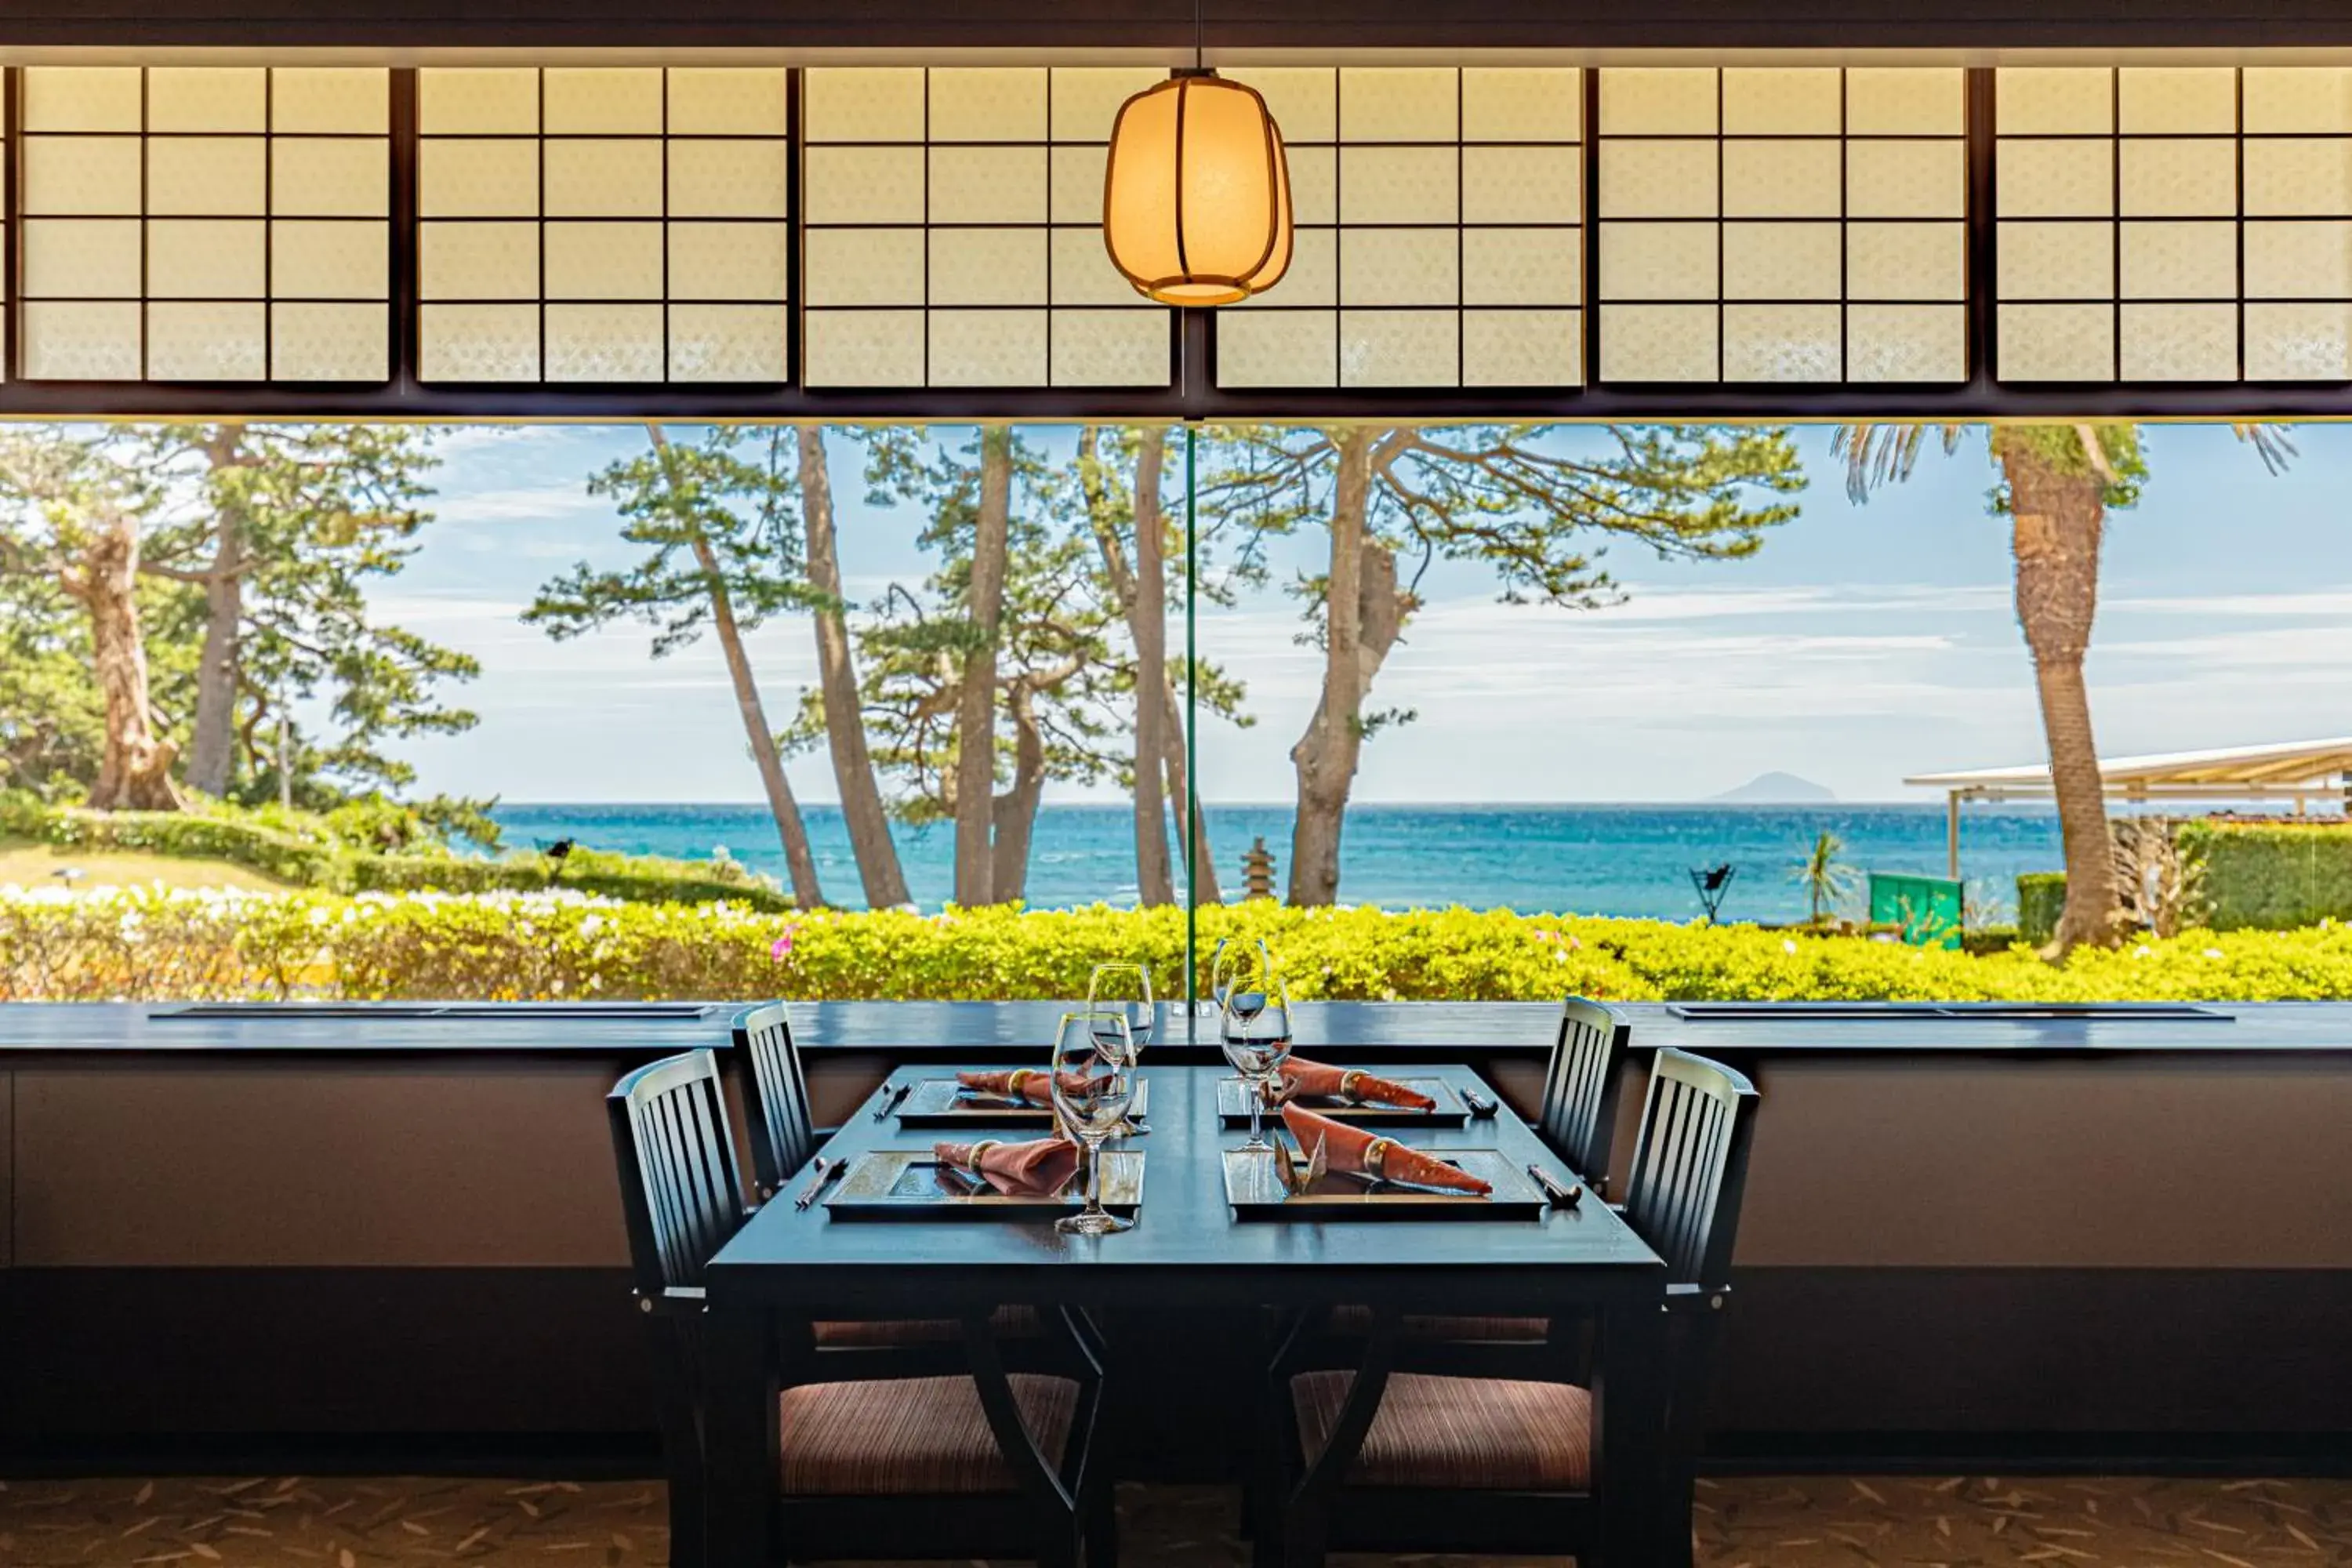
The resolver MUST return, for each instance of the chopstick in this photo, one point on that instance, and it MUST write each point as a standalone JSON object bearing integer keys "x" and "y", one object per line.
{"x": 1563, "y": 1195}
{"x": 826, "y": 1171}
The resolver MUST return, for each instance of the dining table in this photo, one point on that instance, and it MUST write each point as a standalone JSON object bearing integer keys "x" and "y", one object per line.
{"x": 1193, "y": 1250}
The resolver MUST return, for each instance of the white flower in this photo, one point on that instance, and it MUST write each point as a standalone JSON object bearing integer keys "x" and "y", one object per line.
{"x": 1788, "y": 944}
{"x": 2142, "y": 951}
{"x": 2212, "y": 952}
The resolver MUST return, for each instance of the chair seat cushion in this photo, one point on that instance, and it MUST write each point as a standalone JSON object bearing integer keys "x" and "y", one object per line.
{"x": 895, "y": 1437}
{"x": 1518, "y": 1330}
{"x": 1014, "y": 1322}
{"x": 1457, "y": 1433}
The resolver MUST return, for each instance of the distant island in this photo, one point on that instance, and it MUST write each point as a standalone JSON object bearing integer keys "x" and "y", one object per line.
{"x": 1776, "y": 789}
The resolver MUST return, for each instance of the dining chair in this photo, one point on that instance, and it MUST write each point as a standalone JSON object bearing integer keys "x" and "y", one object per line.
{"x": 1578, "y": 1118}
{"x": 781, "y": 1133}
{"x": 872, "y": 1466}
{"x": 1382, "y": 1460}
{"x": 1579, "y": 1114}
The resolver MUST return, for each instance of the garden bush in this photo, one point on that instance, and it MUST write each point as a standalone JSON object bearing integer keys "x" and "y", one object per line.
{"x": 2270, "y": 876}
{"x": 341, "y": 852}
{"x": 153, "y": 944}
{"x": 2041, "y": 900}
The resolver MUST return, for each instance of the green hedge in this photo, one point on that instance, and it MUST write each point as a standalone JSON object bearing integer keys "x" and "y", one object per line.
{"x": 305, "y": 854}
{"x": 154, "y": 945}
{"x": 2271, "y": 876}
{"x": 2041, "y": 900}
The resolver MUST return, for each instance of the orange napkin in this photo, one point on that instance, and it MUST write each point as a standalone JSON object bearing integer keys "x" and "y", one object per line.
{"x": 1362, "y": 1149}
{"x": 1019, "y": 1083}
{"x": 1317, "y": 1082}
{"x": 1039, "y": 1168}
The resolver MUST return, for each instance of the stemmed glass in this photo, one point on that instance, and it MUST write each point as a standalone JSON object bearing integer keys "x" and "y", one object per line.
{"x": 1124, "y": 990}
{"x": 1093, "y": 1082}
{"x": 1121, "y": 992}
{"x": 1254, "y": 1026}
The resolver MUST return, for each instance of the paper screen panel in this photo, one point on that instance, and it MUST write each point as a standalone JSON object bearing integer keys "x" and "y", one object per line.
{"x": 174, "y": 216}
{"x": 1440, "y": 232}
{"x": 2187, "y": 223}
{"x": 605, "y": 225}
{"x": 954, "y": 230}
{"x": 1783, "y": 224}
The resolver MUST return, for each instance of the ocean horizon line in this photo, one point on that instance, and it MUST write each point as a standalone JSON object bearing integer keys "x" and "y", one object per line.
{"x": 1124, "y": 807}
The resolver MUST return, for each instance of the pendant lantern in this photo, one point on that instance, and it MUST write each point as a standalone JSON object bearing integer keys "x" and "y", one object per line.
{"x": 1196, "y": 197}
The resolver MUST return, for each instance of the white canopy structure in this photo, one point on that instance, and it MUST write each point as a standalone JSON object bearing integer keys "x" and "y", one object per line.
{"x": 2287, "y": 770}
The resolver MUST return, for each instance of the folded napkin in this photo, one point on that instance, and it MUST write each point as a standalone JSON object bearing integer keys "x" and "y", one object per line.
{"x": 1362, "y": 1149}
{"x": 1039, "y": 1168}
{"x": 1316, "y": 1081}
{"x": 1020, "y": 1083}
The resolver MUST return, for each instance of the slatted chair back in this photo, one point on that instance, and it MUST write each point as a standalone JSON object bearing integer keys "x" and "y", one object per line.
{"x": 681, "y": 1195}
{"x": 783, "y": 1132}
{"x": 1690, "y": 1166}
{"x": 1579, "y": 1117}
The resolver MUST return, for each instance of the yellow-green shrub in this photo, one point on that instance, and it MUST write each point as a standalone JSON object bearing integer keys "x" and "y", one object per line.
{"x": 154, "y": 944}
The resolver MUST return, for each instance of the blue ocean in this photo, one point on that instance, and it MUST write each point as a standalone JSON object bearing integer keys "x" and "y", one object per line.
{"x": 1631, "y": 860}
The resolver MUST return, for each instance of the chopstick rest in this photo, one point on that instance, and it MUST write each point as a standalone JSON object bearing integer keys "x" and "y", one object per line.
{"x": 1563, "y": 1195}
{"x": 1480, "y": 1106}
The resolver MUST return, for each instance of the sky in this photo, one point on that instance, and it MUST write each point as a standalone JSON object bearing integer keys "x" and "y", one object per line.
{"x": 1862, "y": 644}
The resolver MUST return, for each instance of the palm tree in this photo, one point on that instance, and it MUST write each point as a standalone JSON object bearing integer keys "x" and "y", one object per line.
{"x": 2058, "y": 483}
{"x": 1824, "y": 877}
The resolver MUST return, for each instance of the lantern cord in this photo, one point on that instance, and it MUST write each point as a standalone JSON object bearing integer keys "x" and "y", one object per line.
{"x": 1200, "y": 49}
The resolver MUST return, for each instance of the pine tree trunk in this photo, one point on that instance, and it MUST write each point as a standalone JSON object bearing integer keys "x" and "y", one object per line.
{"x": 798, "y": 860}
{"x": 1362, "y": 617}
{"x": 212, "y": 748}
{"x": 976, "y": 704}
{"x": 1014, "y": 812}
{"x": 2056, "y": 522}
{"x": 1202, "y": 860}
{"x": 844, "y": 725}
{"x": 1147, "y": 621}
{"x": 134, "y": 771}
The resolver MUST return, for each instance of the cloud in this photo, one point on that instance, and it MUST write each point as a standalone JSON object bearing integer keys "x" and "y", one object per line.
{"x": 2316, "y": 603}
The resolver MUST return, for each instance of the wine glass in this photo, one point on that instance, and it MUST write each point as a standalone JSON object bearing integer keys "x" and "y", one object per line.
{"x": 1124, "y": 990}
{"x": 1229, "y": 961}
{"x": 1254, "y": 1026}
{"x": 1093, "y": 1085}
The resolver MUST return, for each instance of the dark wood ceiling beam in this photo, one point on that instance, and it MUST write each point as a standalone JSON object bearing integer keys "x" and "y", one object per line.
{"x": 1713, "y": 25}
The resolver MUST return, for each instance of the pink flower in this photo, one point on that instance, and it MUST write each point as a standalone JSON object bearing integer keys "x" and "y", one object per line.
{"x": 781, "y": 948}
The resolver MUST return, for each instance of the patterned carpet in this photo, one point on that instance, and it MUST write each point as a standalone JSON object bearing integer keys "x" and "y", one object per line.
{"x": 1810, "y": 1522}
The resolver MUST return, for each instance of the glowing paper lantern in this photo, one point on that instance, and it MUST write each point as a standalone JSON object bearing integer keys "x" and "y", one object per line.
{"x": 1196, "y": 199}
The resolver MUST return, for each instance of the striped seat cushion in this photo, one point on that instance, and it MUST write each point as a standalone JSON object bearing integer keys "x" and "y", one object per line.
{"x": 1480, "y": 1434}
{"x": 1012, "y": 1322}
{"x": 895, "y": 1437}
{"x": 1518, "y": 1330}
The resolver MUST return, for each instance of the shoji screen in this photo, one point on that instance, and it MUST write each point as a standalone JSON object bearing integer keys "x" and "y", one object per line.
{"x": 1786, "y": 223}
{"x": 954, "y": 231}
{"x": 603, "y": 224}
{"x": 1440, "y": 232}
{"x": 206, "y": 223}
{"x": 2175, "y": 224}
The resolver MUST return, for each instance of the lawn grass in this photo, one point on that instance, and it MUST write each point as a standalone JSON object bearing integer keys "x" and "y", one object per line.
{"x": 31, "y": 864}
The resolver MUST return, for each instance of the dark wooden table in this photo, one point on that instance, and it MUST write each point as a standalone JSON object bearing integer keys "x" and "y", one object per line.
{"x": 1188, "y": 1251}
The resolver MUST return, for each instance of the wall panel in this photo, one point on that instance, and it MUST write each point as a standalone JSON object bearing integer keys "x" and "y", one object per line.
{"x": 1440, "y": 232}
{"x": 603, "y": 224}
{"x": 219, "y": 224}
{"x": 954, "y": 232}
{"x": 1783, "y": 224}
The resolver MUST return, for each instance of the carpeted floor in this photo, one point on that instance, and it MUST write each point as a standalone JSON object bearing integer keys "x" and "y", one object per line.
{"x": 291, "y": 1522}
